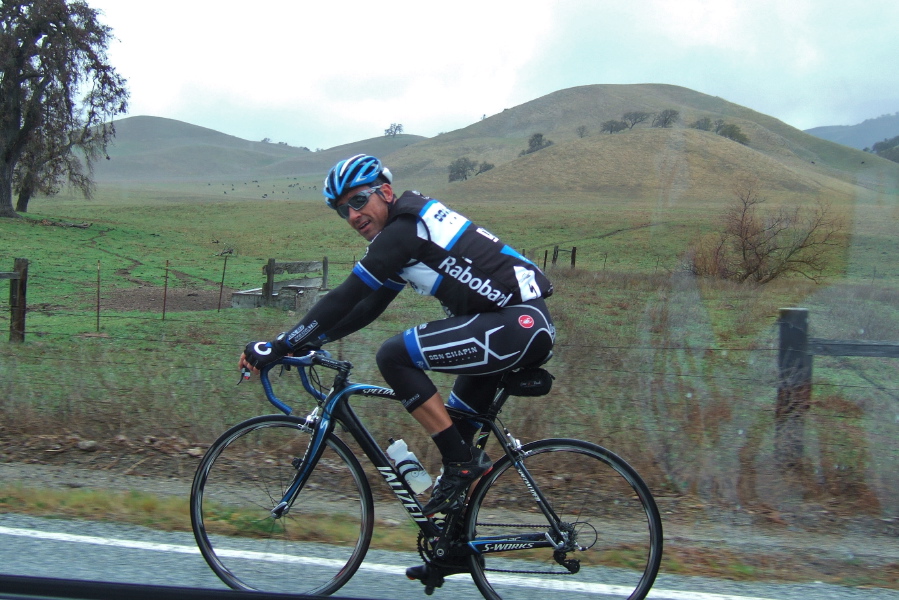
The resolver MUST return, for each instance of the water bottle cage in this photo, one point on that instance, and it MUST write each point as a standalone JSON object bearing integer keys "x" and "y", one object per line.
{"x": 413, "y": 466}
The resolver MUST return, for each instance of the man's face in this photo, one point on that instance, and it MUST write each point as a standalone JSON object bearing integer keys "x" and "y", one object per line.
{"x": 371, "y": 218}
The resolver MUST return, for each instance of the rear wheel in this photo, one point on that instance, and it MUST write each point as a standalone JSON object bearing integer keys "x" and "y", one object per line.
{"x": 606, "y": 510}
{"x": 315, "y": 546}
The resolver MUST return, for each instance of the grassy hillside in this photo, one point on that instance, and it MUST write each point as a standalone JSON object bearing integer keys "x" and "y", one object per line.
{"x": 500, "y": 138}
{"x": 154, "y": 149}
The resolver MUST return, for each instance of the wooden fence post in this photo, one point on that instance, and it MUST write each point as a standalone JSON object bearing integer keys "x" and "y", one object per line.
{"x": 165, "y": 289}
{"x": 18, "y": 302}
{"x": 324, "y": 273}
{"x": 573, "y": 256}
{"x": 268, "y": 288}
{"x": 222, "y": 284}
{"x": 794, "y": 388}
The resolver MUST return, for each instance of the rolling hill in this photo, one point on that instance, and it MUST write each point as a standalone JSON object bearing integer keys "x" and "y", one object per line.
{"x": 861, "y": 136}
{"x": 643, "y": 162}
{"x": 158, "y": 149}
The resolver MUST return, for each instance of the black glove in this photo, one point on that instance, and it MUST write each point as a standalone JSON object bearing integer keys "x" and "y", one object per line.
{"x": 260, "y": 354}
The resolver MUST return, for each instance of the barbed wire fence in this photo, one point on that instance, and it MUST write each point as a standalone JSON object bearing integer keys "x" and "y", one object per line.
{"x": 696, "y": 418}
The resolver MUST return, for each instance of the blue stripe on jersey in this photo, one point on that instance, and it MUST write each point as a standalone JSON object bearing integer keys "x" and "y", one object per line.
{"x": 424, "y": 210}
{"x": 366, "y": 277}
{"x": 414, "y": 349}
{"x": 436, "y": 284}
{"x": 456, "y": 237}
{"x": 512, "y": 252}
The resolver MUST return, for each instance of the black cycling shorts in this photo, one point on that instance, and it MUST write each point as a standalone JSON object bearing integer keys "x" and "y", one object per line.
{"x": 479, "y": 348}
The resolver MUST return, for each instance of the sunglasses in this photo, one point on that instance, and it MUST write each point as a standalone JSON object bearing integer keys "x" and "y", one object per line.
{"x": 357, "y": 202}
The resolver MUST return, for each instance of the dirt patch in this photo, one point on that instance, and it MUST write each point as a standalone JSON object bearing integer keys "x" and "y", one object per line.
{"x": 122, "y": 457}
{"x": 156, "y": 299}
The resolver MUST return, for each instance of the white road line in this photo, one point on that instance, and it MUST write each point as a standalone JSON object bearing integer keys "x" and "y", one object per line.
{"x": 529, "y": 582}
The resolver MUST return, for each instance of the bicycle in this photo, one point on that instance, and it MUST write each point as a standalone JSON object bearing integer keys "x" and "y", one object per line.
{"x": 278, "y": 494}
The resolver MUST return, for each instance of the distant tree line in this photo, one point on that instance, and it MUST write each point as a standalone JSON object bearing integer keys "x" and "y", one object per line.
{"x": 663, "y": 119}
{"x": 888, "y": 149}
{"x": 462, "y": 168}
{"x": 722, "y": 128}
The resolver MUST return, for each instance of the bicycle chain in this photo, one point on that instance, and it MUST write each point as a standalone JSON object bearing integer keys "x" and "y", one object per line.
{"x": 521, "y": 572}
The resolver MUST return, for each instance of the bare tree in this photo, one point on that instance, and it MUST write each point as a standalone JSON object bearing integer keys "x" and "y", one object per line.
{"x": 581, "y": 131}
{"x": 484, "y": 166}
{"x": 759, "y": 248}
{"x": 635, "y": 117}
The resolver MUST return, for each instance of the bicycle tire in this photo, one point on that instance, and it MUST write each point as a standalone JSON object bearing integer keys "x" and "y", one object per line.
{"x": 315, "y": 547}
{"x": 610, "y": 508}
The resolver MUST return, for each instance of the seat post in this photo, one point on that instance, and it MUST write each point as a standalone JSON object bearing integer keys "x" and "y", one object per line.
{"x": 499, "y": 399}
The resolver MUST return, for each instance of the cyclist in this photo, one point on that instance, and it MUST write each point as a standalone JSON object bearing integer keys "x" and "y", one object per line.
{"x": 493, "y": 297}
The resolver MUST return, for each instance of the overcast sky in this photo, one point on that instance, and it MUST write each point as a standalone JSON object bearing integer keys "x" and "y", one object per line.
{"x": 320, "y": 74}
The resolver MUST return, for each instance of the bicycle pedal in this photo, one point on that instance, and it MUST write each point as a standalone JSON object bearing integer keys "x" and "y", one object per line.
{"x": 429, "y": 576}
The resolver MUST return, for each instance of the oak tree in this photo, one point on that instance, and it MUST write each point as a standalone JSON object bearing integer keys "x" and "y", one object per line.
{"x": 535, "y": 143}
{"x": 58, "y": 95}
{"x": 461, "y": 168}
{"x": 613, "y": 126}
{"x": 666, "y": 118}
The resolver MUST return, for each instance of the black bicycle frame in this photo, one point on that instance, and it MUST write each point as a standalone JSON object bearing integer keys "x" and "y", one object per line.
{"x": 335, "y": 408}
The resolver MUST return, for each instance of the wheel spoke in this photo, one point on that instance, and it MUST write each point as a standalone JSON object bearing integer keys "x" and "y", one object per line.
{"x": 244, "y": 476}
{"x": 600, "y": 501}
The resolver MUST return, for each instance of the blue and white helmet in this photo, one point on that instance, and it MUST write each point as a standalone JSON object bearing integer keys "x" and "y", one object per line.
{"x": 357, "y": 170}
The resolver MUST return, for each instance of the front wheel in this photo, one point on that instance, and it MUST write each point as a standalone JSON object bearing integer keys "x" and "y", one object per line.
{"x": 312, "y": 548}
{"x": 604, "y": 509}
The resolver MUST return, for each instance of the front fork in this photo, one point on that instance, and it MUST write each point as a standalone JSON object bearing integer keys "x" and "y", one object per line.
{"x": 310, "y": 425}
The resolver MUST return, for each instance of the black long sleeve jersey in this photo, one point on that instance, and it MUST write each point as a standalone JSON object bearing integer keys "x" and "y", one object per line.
{"x": 467, "y": 268}
{"x": 439, "y": 253}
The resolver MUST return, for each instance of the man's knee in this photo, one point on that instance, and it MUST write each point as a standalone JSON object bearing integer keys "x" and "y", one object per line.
{"x": 391, "y": 354}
